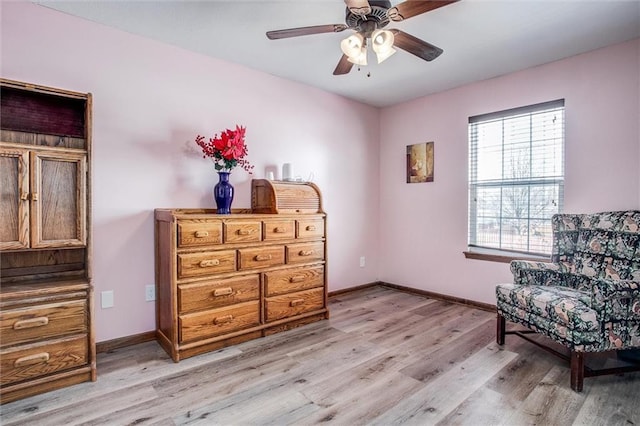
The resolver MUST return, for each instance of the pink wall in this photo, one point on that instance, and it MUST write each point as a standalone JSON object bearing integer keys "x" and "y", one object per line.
{"x": 423, "y": 232}
{"x": 150, "y": 100}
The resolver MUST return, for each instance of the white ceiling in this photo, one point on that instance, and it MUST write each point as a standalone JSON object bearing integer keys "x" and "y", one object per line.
{"x": 481, "y": 39}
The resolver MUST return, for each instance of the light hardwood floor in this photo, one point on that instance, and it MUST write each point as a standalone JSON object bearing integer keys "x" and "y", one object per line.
{"x": 385, "y": 357}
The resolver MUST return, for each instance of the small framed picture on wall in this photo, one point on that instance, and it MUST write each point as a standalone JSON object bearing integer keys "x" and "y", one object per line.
{"x": 420, "y": 162}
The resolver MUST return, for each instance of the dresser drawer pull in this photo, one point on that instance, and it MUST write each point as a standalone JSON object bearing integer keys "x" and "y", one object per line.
{"x": 296, "y": 302}
{"x": 222, "y": 291}
{"x": 297, "y": 279}
{"x": 243, "y": 232}
{"x": 31, "y": 359}
{"x": 208, "y": 263}
{"x": 311, "y": 228}
{"x": 262, "y": 257}
{"x": 30, "y": 323}
{"x": 223, "y": 319}
{"x": 202, "y": 234}
{"x": 280, "y": 230}
{"x": 305, "y": 252}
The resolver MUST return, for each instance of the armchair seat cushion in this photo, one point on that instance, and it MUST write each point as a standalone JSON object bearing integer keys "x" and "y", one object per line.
{"x": 563, "y": 306}
{"x": 561, "y": 313}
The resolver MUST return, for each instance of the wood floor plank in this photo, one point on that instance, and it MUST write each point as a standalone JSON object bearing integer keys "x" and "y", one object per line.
{"x": 551, "y": 402}
{"x": 385, "y": 357}
{"x": 441, "y": 396}
{"x": 618, "y": 405}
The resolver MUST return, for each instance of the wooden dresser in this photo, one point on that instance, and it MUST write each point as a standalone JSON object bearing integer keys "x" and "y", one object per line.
{"x": 225, "y": 279}
{"x": 46, "y": 327}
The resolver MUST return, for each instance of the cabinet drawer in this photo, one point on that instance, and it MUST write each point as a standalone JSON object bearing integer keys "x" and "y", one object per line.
{"x": 215, "y": 294}
{"x": 43, "y": 322}
{"x": 309, "y": 228}
{"x": 242, "y": 232}
{"x": 279, "y": 229}
{"x": 291, "y": 280}
{"x": 305, "y": 252}
{"x": 261, "y": 257}
{"x": 215, "y": 322}
{"x": 206, "y": 263}
{"x": 291, "y": 304}
{"x": 28, "y": 361}
{"x": 199, "y": 233}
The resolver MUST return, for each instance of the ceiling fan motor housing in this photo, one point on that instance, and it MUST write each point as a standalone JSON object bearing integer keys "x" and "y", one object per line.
{"x": 368, "y": 23}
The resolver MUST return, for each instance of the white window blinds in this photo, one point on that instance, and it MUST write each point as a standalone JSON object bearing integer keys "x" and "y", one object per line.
{"x": 516, "y": 177}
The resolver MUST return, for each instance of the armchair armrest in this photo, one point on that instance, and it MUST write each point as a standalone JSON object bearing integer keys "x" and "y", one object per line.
{"x": 526, "y": 272}
{"x": 606, "y": 290}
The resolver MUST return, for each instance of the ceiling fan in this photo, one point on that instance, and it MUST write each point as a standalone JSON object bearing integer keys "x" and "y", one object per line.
{"x": 367, "y": 19}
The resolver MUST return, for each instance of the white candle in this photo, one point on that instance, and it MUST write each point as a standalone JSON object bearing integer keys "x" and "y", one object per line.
{"x": 287, "y": 171}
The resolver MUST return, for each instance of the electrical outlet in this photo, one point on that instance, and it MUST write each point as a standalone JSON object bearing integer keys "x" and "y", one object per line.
{"x": 106, "y": 299}
{"x": 150, "y": 293}
{"x": 363, "y": 261}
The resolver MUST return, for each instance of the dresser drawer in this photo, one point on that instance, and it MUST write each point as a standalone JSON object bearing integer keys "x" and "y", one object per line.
{"x": 206, "y": 263}
{"x": 218, "y": 293}
{"x": 291, "y": 304}
{"x": 309, "y": 228}
{"x": 215, "y": 322}
{"x": 242, "y": 232}
{"x": 279, "y": 229}
{"x": 28, "y": 361}
{"x": 43, "y": 322}
{"x": 292, "y": 280}
{"x": 261, "y": 257}
{"x": 199, "y": 233}
{"x": 305, "y": 252}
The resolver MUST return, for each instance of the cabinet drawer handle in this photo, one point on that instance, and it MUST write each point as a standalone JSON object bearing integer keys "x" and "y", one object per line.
{"x": 311, "y": 228}
{"x": 262, "y": 257}
{"x": 297, "y": 278}
{"x": 30, "y": 323}
{"x": 24, "y": 196}
{"x": 305, "y": 252}
{"x": 243, "y": 232}
{"x": 202, "y": 234}
{"x": 31, "y": 359}
{"x": 280, "y": 230}
{"x": 208, "y": 263}
{"x": 223, "y": 319}
{"x": 222, "y": 291}
{"x": 34, "y": 196}
{"x": 296, "y": 302}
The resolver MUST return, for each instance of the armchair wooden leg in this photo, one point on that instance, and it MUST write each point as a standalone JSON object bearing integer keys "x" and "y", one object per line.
{"x": 500, "y": 329}
{"x": 577, "y": 370}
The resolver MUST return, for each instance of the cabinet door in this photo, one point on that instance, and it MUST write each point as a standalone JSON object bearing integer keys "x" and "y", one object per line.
{"x": 58, "y": 199}
{"x": 14, "y": 198}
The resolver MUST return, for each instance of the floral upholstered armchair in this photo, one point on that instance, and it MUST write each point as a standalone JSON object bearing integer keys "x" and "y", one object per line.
{"x": 588, "y": 297}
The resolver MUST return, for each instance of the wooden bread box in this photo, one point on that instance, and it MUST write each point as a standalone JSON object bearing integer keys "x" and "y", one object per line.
{"x": 274, "y": 197}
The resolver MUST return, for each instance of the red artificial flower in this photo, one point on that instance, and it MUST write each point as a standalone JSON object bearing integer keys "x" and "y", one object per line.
{"x": 226, "y": 151}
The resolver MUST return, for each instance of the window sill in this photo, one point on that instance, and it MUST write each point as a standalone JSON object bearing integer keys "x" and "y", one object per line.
{"x": 502, "y": 256}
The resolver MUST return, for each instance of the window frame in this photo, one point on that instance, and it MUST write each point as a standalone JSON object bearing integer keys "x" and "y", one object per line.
{"x": 501, "y": 253}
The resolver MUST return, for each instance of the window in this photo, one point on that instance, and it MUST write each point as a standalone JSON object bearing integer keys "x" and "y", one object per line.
{"x": 516, "y": 177}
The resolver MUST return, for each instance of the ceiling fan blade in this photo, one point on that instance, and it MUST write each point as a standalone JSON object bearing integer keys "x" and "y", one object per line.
{"x": 344, "y": 66}
{"x": 358, "y": 7}
{"x": 302, "y": 31}
{"x": 410, "y": 8}
{"x": 414, "y": 45}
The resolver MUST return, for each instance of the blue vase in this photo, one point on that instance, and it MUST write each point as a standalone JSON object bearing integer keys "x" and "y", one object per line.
{"x": 223, "y": 193}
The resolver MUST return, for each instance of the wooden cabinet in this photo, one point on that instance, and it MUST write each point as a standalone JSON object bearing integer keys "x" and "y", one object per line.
{"x": 224, "y": 279}
{"x": 43, "y": 198}
{"x": 45, "y": 284}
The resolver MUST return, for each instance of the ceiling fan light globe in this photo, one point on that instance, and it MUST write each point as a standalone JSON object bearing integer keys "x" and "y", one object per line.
{"x": 352, "y": 45}
{"x": 383, "y": 56}
{"x": 360, "y": 58}
{"x": 382, "y": 41}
